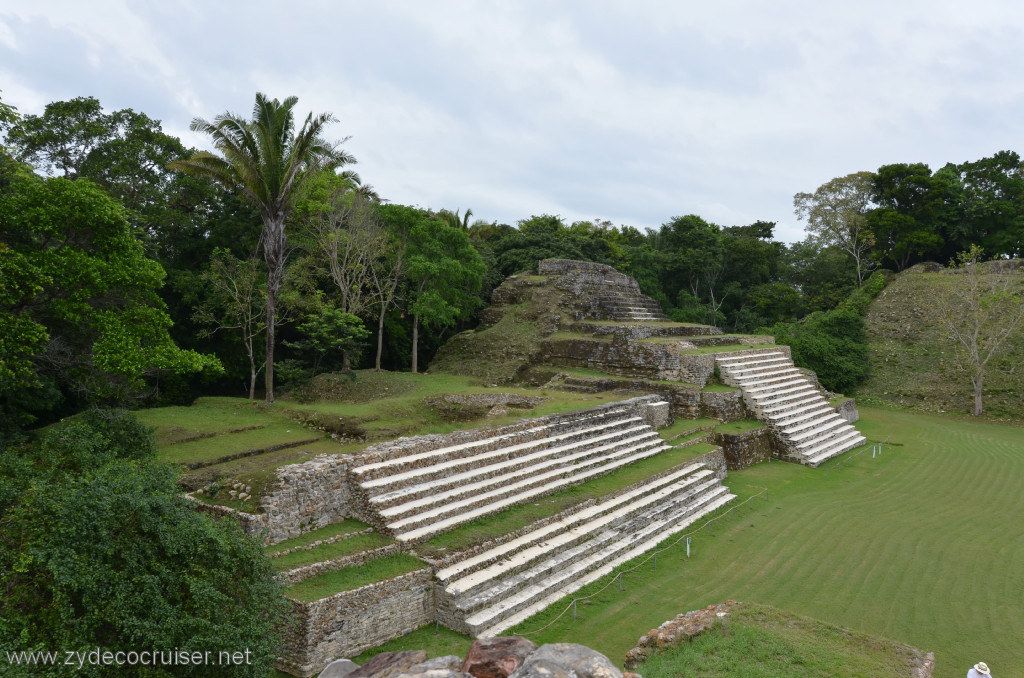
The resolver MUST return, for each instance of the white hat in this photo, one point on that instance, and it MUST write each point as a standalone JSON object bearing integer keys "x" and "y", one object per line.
{"x": 982, "y": 668}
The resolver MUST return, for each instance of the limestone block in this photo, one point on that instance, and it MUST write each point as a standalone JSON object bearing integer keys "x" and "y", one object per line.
{"x": 577, "y": 660}
{"x": 543, "y": 668}
{"x": 848, "y": 410}
{"x": 497, "y": 657}
{"x": 339, "y": 668}
{"x": 658, "y": 415}
{"x": 745, "y": 449}
{"x": 725, "y": 406}
{"x": 449, "y": 662}
{"x": 389, "y": 664}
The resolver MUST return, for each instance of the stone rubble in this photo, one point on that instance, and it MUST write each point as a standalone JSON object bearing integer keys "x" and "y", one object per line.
{"x": 504, "y": 657}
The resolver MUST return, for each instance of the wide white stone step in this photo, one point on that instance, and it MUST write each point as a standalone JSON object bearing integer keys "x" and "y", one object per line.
{"x": 834, "y": 451}
{"x": 435, "y": 522}
{"x": 773, "y": 410}
{"x": 577, "y": 579}
{"x": 755, "y": 386}
{"x": 445, "y": 467}
{"x": 534, "y": 473}
{"x": 814, "y": 448}
{"x": 389, "y": 468}
{"x": 815, "y": 428}
{"x": 799, "y": 431}
{"x": 771, "y": 395}
{"x": 791, "y": 420}
{"x": 544, "y": 572}
{"x": 778, "y": 402}
{"x": 765, "y": 368}
{"x": 572, "y": 535}
{"x": 748, "y": 358}
{"x": 505, "y": 466}
{"x": 616, "y": 504}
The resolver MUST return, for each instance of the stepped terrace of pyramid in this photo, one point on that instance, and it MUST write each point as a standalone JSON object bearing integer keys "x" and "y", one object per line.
{"x": 570, "y": 325}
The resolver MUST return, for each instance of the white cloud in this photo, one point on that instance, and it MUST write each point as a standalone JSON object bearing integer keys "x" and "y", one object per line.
{"x": 637, "y": 112}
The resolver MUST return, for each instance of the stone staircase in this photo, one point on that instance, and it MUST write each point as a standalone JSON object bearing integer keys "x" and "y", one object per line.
{"x": 496, "y": 589}
{"x": 416, "y": 493}
{"x": 624, "y": 307}
{"x": 811, "y": 429}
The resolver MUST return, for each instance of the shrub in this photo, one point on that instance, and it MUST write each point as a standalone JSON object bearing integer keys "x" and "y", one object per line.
{"x": 833, "y": 343}
{"x": 99, "y": 549}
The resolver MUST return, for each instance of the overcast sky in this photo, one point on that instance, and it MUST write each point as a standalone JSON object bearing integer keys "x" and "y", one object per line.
{"x": 633, "y": 112}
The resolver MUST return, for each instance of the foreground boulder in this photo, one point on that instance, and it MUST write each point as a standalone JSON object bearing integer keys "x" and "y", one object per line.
{"x": 497, "y": 657}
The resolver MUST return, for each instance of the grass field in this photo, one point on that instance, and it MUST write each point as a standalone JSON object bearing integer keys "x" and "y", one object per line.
{"x": 759, "y": 640}
{"x": 924, "y": 545}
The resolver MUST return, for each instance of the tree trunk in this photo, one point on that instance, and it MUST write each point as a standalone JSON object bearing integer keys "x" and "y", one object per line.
{"x": 977, "y": 394}
{"x": 380, "y": 338}
{"x": 415, "y": 340}
{"x": 252, "y": 380}
{"x": 273, "y": 252}
{"x": 269, "y": 369}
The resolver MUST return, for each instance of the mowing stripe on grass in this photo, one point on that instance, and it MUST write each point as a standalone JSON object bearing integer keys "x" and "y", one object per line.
{"x": 924, "y": 545}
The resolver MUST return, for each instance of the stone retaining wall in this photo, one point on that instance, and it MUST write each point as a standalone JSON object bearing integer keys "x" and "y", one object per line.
{"x": 848, "y": 410}
{"x": 618, "y": 356}
{"x": 746, "y": 449}
{"x": 307, "y": 496}
{"x": 254, "y": 524}
{"x": 723, "y": 405}
{"x": 350, "y": 622}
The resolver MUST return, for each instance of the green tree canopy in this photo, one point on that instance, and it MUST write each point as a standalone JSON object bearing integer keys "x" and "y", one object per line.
{"x": 268, "y": 163}
{"x": 80, "y": 296}
{"x": 444, "y": 271}
{"x": 99, "y": 549}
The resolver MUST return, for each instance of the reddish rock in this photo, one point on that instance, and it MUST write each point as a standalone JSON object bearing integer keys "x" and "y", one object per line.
{"x": 389, "y": 664}
{"x": 497, "y": 657}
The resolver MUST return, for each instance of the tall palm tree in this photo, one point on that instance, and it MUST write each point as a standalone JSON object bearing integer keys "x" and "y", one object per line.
{"x": 265, "y": 161}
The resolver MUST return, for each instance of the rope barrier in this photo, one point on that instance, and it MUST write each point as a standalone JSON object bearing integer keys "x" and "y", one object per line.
{"x": 654, "y": 555}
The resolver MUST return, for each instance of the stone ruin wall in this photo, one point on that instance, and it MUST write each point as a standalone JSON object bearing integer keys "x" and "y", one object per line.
{"x": 321, "y": 491}
{"x": 723, "y": 405}
{"x": 748, "y": 448}
{"x": 306, "y": 497}
{"x": 350, "y": 622}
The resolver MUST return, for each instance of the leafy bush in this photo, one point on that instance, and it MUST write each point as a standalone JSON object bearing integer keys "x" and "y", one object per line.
{"x": 99, "y": 549}
{"x": 833, "y": 343}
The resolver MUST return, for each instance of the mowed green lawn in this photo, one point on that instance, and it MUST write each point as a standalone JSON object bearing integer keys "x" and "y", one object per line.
{"x": 924, "y": 545}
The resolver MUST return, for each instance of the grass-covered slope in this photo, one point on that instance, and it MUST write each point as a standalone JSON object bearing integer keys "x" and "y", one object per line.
{"x": 759, "y": 640}
{"x": 912, "y": 359}
{"x": 221, "y": 442}
{"x": 510, "y": 335}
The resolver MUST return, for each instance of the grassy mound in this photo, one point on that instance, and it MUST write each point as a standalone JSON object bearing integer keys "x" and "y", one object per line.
{"x": 912, "y": 359}
{"x": 758, "y": 640}
{"x": 221, "y": 442}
